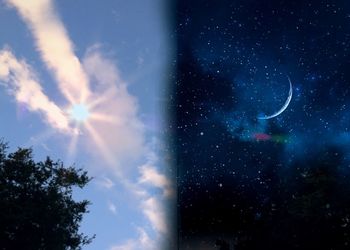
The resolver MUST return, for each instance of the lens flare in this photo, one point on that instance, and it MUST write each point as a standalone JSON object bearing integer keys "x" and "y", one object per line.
{"x": 278, "y": 138}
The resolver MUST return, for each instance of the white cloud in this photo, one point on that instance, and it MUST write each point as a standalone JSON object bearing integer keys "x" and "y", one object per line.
{"x": 150, "y": 175}
{"x": 54, "y": 46}
{"x": 116, "y": 121}
{"x": 155, "y": 212}
{"x": 112, "y": 207}
{"x": 125, "y": 136}
{"x": 100, "y": 68}
{"x": 105, "y": 182}
{"x": 143, "y": 242}
{"x": 128, "y": 245}
{"x": 22, "y": 83}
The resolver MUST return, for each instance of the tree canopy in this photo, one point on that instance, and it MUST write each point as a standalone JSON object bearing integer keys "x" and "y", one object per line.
{"x": 37, "y": 210}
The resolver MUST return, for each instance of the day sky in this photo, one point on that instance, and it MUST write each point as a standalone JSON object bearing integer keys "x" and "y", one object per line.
{"x": 85, "y": 82}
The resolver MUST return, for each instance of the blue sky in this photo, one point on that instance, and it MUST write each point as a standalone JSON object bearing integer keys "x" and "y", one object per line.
{"x": 109, "y": 61}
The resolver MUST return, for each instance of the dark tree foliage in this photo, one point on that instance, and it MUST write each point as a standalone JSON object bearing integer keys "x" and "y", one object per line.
{"x": 37, "y": 210}
{"x": 309, "y": 208}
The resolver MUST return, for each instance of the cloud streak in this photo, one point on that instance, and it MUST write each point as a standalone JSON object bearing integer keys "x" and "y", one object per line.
{"x": 116, "y": 121}
{"x": 151, "y": 176}
{"x": 55, "y": 47}
{"x": 22, "y": 83}
{"x": 142, "y": 242}
{"x": 155, "y": 212}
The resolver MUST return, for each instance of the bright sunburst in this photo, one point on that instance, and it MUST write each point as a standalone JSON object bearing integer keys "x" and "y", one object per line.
{"x": 84, "y": 115}
{"x": 79, "y": 112}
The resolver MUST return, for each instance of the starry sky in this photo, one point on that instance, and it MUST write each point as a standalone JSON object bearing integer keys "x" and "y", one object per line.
{"x": 255, "y": 183}
{"x": 84, "y": 82}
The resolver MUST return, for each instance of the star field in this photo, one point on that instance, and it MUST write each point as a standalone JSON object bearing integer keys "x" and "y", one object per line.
{"x": 263, "y": 184}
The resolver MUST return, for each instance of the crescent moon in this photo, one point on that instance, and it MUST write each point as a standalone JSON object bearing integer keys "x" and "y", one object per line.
{"x": 285, "y": 106}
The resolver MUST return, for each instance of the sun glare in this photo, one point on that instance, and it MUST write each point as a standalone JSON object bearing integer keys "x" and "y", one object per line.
{"x": 80, "y": 112}
{"x": 85, "y": 119}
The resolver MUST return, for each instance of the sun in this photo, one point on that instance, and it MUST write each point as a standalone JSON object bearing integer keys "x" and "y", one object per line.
{"x": 79, "y": 112}
{"x": 85, "y": 123}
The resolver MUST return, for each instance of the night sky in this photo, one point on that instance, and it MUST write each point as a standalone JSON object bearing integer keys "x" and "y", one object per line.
{"x": 250, "y": 183}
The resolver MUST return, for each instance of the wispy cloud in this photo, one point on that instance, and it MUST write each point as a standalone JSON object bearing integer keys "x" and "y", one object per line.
{"x": 125, "y": 140}
{"x": 54, "y": 46}
{"x": 105, "y": 182}
{"x": 21, "y": 81}
{"x": 155, "y": 212}
{"x": 112, "y": 207}
{"x": 116, "y": 123}
{"x": 150, "y": 175}
{"x": 142, "y": 242}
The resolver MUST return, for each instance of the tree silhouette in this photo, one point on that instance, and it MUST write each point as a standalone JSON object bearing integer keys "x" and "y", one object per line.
{"x": 309, "y": 208}
{"x": 37, "y": 210}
